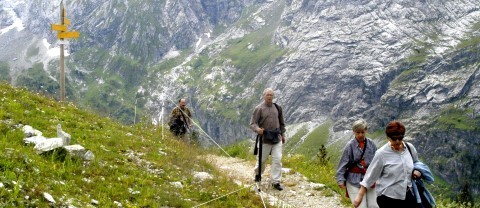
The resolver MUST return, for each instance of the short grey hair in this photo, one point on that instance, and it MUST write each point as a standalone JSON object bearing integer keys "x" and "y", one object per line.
{"x": 359, "y": 125}
{"x": 268, "y": 90}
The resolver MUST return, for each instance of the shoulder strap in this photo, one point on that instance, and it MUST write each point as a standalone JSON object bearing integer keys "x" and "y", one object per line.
{"x": 351, "y": 149}
{"x": 364, "y": 148}
{"x": 183, "y": 115}
{"x": 410, "y": 151}
{"x": 279, "y": 111}
{"x": 363, "y": 152}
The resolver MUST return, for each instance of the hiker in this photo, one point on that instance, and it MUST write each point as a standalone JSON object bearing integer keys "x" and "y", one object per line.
{"x": 267, "y": 121}
{"x": 357, "y": 156}
{"x": 392, "y": 171}
{"x": 179, "y": 121}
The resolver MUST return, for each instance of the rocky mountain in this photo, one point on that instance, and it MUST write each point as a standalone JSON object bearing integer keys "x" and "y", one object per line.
{"x": 338, "y": 61}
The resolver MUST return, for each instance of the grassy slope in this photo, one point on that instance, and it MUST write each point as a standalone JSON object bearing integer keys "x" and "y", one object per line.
{"x": 129, "y": 166}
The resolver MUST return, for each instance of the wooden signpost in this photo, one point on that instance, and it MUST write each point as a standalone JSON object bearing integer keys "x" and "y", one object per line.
{"x": 62, "y": 34}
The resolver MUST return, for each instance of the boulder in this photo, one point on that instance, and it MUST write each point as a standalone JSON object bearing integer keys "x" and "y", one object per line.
{"x": 48, "y": 144}
{"x": 64, "y": 135}
{"x": 34, "y": 140}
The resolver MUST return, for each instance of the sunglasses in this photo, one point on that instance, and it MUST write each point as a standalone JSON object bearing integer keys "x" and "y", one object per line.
{"x": 395, "y": 138}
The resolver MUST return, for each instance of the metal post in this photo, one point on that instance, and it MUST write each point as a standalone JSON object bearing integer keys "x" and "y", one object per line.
{"x": 161, "y": 118}
{"x": 135, "y": 115}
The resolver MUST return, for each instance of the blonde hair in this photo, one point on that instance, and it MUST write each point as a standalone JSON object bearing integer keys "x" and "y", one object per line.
{"x": 359, "y": 125}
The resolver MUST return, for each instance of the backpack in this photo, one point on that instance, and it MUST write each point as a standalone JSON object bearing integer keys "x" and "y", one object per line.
{"x": 178, "y": 126}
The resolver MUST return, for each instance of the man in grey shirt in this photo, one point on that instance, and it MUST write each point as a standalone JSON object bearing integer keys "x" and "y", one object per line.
{"x": 267, "y": 121}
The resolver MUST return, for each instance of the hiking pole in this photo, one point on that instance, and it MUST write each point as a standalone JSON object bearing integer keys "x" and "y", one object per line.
{"x": 258, "y": 177}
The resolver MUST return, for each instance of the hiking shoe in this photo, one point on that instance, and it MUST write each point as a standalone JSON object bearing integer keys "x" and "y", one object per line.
{"x": 277, "y": 186}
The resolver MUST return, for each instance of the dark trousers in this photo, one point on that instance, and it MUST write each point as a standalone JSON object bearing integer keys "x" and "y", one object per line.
{"x": 387, "y": 202}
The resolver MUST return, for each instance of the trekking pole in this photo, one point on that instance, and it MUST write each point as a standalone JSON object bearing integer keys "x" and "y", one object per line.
{"x": 258, "y": 177}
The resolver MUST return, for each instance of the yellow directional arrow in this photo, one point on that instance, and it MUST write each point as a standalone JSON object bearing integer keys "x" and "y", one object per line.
{"x": 66, "y": 21}
{"x": 72, "y": 34}
{"x": 59, "y": 27}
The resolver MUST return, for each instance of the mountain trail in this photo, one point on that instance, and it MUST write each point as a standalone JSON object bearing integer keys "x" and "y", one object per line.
{"x": 298, "y": 191}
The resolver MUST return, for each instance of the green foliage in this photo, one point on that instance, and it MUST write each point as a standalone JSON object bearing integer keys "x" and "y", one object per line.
{"x": 133, "y": 165}
{"x": 112, "y": 92}
{"x": 167, "y": 64}
{"x": 37, "y": 79}
{"x": 404, "y": 77}
{"x": 314, "y": 140}
{"x": 130, "y": 70}
{"x": 5, "y": 72}
{"x": 465, "y": 197}
{"x": 322, "y": 158}
{"x": 92, "y": 58}
{"x": 32, "y": 51}
{"x": 291, "y": 143}
{"x": 242, "y": 149}
{"x": 446, "y": 203}
{"x": 107, "y": 98}
{"x": 420, "y": 53}
{"x": 252, "y": 52}
{"x": 459, "y": 118}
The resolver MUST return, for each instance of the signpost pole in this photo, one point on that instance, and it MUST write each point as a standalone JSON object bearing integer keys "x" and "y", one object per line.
{"x": 63, "y": 34}
{"x": 62, "y": 56}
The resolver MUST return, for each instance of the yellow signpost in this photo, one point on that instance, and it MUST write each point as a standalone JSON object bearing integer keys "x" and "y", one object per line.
{"x": 63, "y": 33}
{"x": 59, "y": 27}
{"x": 72, "y": 34}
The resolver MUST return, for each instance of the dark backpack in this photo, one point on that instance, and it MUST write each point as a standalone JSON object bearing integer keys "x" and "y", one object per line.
{"x": 178, "y": 126}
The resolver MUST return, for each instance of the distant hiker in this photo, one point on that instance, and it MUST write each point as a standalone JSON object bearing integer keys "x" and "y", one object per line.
{"x": 179, "y": 120}
{"x": 392, "y": 171}
{"x": 267, "y": 121}
{"x": 357, "y": 156}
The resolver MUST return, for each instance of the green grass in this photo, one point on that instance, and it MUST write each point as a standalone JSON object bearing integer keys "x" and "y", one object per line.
{"x": 133, "y": 165}
{"x": 252, "y": 52}
{"x": 313, "y": 141}
{"x": 292, "y": 142}
{"x": 5, "y": 72}
{"x": 242, "y": 149}
{"x": 458, "y": 118}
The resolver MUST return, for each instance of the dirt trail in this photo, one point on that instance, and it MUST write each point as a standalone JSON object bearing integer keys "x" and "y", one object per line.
{"x": 298, "y": 192}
